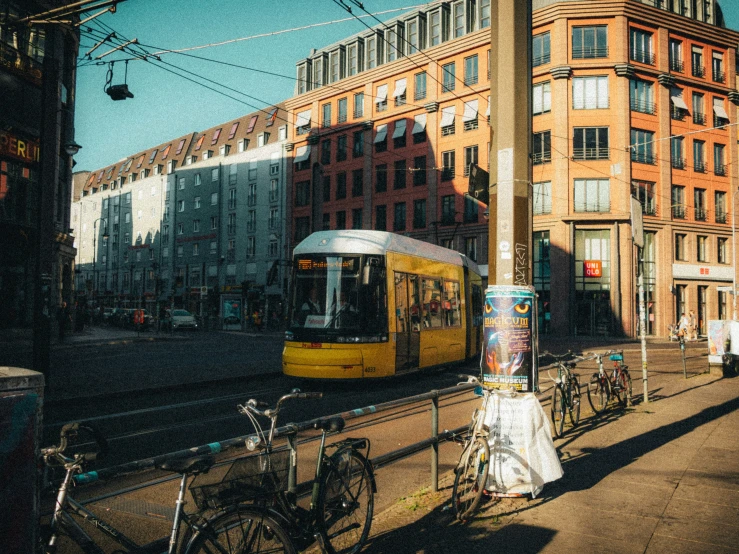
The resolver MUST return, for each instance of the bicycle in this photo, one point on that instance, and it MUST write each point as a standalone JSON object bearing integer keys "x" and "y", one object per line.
{"x": 603, "y": 387}
{"x": 565, "y": 394}
{"x": 229, "y": 530}
{"x": 342, "y": 489}
{"x": 471, "y": 473}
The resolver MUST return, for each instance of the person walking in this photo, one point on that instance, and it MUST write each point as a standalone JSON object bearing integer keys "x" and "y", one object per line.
{"x": 692, "y": 327}
{"x": 683, "y": 325}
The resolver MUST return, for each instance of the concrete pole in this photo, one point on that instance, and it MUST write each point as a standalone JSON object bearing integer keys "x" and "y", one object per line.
{"x": 511, "y": 215}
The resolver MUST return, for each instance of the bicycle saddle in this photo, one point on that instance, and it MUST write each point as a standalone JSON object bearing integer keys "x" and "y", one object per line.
{"x": 330, "y": 425}
{"x": 193, "y": 466}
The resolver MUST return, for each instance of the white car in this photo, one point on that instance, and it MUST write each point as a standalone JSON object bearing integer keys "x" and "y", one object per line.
{"x": 181, "y": 319}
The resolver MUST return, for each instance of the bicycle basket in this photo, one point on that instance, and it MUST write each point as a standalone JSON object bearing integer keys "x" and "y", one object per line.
{"x": 617, "y": 357}
{"x": 247, "y": 479}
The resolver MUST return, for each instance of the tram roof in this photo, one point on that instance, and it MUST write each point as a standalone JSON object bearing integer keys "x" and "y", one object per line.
{"x": 356, "y": 241}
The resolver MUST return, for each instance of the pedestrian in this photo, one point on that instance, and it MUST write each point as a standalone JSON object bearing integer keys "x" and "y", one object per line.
{"x": 693, "y": 327}
{"x": 683, "y": 325}
{"x": 257, "y": 320}
{"x": 63, "y": 318}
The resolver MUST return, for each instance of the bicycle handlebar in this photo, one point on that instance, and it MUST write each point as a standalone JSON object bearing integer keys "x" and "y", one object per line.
{"x": 262, "y": 408}
{"x": 71, "y": 430}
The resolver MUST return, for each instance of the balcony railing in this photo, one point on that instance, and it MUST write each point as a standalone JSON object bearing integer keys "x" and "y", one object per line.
{"x": 718, "y": 76}
{"x": 698, "y": 71}
{"x": 419, "y": 94}
{"x": 699, "y": 118}
{"x": 699, "y": 166}
{"x": 677, "y": 65}
{"x": 701, "y": 214}
{"x": 541, "y": 158}
{"x": 679, "y": 163}
{"x": 643, "y": 56}
{"x": 590, "y": 52}
{"x": 470, "y": 80}
{"x": 719, "y": 121}
{"x": 541, "y": 60}
{"x": 678, "y": 114}
{"x": 678, "y": 212}
{"x": 720, "y": 170}
{"x": 590, "y": 154}
{"x": 720, "y": 217}
{"x": 643, "y": 106}
{"x": 642, "y": 157}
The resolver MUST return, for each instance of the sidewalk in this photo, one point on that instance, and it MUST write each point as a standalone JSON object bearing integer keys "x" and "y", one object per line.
{"x": 658, "y": 477}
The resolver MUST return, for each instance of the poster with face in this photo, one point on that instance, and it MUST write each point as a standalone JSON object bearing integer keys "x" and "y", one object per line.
{"x": 509, "y": 350}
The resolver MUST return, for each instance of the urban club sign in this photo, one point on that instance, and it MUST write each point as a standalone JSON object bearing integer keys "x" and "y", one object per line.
{"x": 25, "y": 150}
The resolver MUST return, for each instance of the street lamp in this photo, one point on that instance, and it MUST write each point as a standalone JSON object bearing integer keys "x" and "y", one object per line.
{"x": 95, "y": 253}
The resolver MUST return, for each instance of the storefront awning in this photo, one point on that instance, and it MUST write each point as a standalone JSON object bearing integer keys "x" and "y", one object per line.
{"x": 470, "y": 111}
{"x": 419, "y": 123}
{"x": 381, "y": 135}
{"x": 399, "y": 129}
{"x": 302, "y": 153}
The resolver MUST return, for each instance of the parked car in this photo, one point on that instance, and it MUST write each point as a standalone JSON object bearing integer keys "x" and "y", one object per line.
{"x": 179, "y": 319}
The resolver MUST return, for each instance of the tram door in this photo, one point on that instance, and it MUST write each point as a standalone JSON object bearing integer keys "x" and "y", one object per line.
{"x": 407, "y": 322}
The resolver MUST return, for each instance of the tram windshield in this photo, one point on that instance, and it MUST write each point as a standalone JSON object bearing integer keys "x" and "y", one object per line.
{"x": 338, "y": 293}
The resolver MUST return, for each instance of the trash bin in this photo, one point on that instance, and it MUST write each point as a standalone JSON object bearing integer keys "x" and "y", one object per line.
{"x": 21, "y": 398}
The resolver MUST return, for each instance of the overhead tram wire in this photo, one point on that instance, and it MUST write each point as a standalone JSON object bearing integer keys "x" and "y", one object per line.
{"x": 370, "y": 144}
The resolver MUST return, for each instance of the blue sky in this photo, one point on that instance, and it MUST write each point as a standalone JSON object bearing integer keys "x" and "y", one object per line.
{"x": 166, "y": 106}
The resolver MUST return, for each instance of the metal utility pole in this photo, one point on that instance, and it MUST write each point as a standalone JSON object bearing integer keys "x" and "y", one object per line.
{"x": 511, "y": 218}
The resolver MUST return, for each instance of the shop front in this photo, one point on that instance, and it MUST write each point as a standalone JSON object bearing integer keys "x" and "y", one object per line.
{"x": 593, "y": 303}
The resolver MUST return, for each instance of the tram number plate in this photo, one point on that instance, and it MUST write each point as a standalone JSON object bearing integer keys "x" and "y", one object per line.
{"x": 312, "y": 345}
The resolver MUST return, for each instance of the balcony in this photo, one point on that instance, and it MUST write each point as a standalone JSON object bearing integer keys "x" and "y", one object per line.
{"x": 642, "y": 106}
{"x": 719, "y": 121}
{"x": 679, "y": 163}
{"x": 720, "y": 217}
{"x": 698, "y": 71}
{"x": 718, "y": 76}
{"x": 541, "y": 158}
{"x": 678, "y": 114}
{"x": 720, "y": 170}
{"x": 543, "y": 59}
{"x": 643, "y": 56}
{"x": 678, "y": 212}
{"x": 470, "y": 80}
{"x": 677, "y": 65}
{"x": 590, "y": 52}
{"x": 699, "y": 118}
{"x": 642, "y": 157}
{"x": 701, "y": 214}
{"x": 590, "y": 154}
{"x": 699, "y": 166}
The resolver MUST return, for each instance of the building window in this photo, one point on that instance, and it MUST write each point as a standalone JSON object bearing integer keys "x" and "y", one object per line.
{"x": 399, "y": 219}
{"x": 326, "y": 152}
{"x": 214, "y": 199}
{"x": 274, "y": 218}
{"x": 196, "y": 249}
{"x": 195, "y": 225}
{"x": 399, "y": 134}
{"x": 699, "y": 113}
{"x": 540, "y": 49}
{"x": 341, "y": 185}
{"x": 341, "y": 219}
{"x": 400, "y": 92}
{"x": 399, "y": 174}
{"x": 720, "y": 117}
{"x": 470, "y": 248}
{"x": 251, "y": 246}
{"x": 373, "y": 59}
{"x": 484, "y": 14}
{"x": 251, "y": 195}
{"x": 381, "y": 138}
{"x": 380, "y": 218}
{"x": 676, "y": 55}
{"x": 678, "y": 202}
{"x": 677, "y": 153}
{"x": 448, "y": 121}
{"x": 180, "y": 206}
{"x": 447, "y": 165}
{"x": 341, "y": 107}
{"x": 680, "y": 240}
{"x": 458, "y": 19}
{"x": 590, "y": 42}
{"x": 470, "y": 157}
{"x": 326, "y": 115}
{"x": 470, "y": 210}
{"x": 590, "y": 143}
{"x": 447, "y": 210}
{"x": 449, "y": 77}
{"x": 542, "y": 152}
{"x": 642, "y": 96}
{"x": 353, "y": 60}
{"x": 196, "y": 203}
{"x": 327, "y": 188}
{"x": 640, "y": 46}
{"x": 357, "y": 183}
{"x": 696, "y": 58}
{"x": 718, "y": 67}
{"x": 435, "y": 29}
{"x": 262, "y": 139}
{"x": 302, "y": 193}
{"x": 180, "y": 229}
{"x": 419, "y": 213}
{"x": 541, "y": 95}
{"x": 419, "y": 129}
{"x": 699, "y": 156}
{"x": 721, "y": 250}
{"x": 644, "y": 192}
{"x": 358, "y": 144}
{"x": 341, "y": 143}
{"x": 381, "y": 178}
{"x": 719, "y": 167}
{"x": 720, "y": 207}
{"x": 359, "y": 105}
{"x": 419, "y": 170}
{"x": 213, "y": 223}
{"x": 302, "y": 228}
{"x": 642, "y": 146}
{"x": 470, "y": 70}
{"x": 699, "y": 204}
{"x": 357, "y": 218}
{"x": 592, "y": 195}
{"x": 542, "y": 198}
{"x": 419, "y": 86}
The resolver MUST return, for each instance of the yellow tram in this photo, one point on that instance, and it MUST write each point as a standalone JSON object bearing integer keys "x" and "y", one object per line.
{"x": 366, "y": 304}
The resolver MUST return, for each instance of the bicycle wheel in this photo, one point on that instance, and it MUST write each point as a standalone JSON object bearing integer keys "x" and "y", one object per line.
{"x": 574, "y": 407}
{"x": 471, "y": 476}
{"x": 346, "y": 502}
{"x": 624, "y": 381}
{"x": 242, "y": 530}
{"x": 558, "y": 410}
{"x": 599, "y": 393}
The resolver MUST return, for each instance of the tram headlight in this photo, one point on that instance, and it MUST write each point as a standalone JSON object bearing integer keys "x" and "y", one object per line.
{"x": 289, "y": 336}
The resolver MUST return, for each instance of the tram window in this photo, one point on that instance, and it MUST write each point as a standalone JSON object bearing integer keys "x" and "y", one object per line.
{"x": 451, "y": 307}
{"x": 432, "y": 312}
